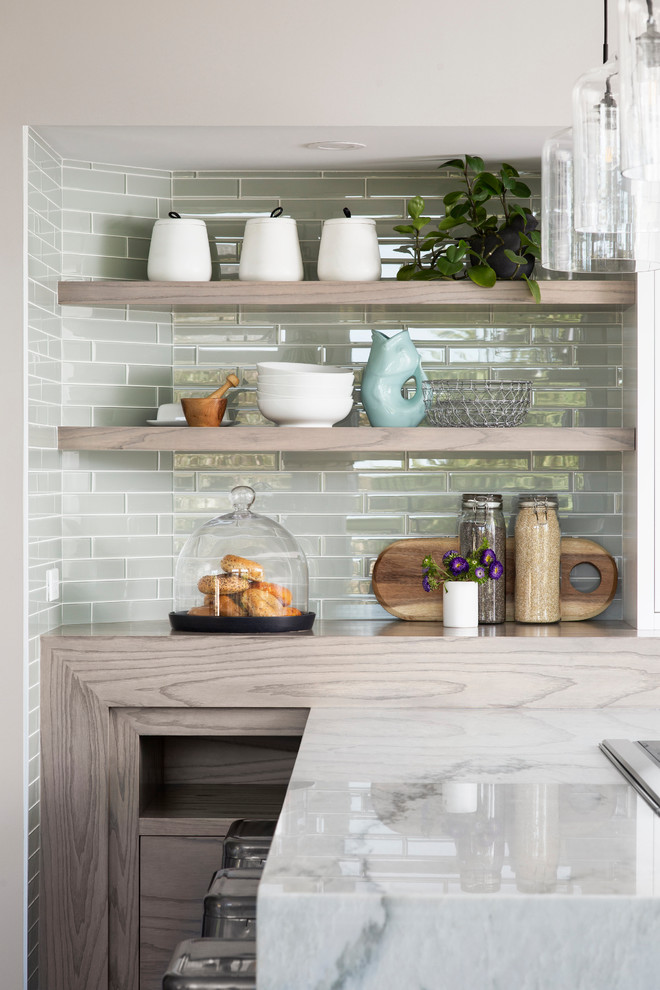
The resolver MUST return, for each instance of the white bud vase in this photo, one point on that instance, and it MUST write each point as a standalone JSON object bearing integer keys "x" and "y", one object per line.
{"x": 460, "y": 604}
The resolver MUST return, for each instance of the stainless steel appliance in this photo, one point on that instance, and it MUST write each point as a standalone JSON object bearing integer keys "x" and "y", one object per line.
{"x": 639, "y": 762}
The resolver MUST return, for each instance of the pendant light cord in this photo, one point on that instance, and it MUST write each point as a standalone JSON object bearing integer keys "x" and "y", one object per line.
{"x": 606, "y": 50}
{"x": 649, "y": 8}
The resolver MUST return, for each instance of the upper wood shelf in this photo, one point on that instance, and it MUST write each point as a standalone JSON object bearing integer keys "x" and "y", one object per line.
{"x": 267, "y": 438}
{"x": 603, "y": 294}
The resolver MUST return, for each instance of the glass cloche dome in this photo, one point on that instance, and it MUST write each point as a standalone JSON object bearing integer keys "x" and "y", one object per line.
{"x": 241, "y": 572}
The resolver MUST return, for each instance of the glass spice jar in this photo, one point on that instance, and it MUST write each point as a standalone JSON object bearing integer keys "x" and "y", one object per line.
{"x": 538, "y": 548}
{"x": 482, "y": 516}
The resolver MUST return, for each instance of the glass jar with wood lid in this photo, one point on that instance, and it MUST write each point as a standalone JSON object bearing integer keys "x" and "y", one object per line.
{"x": 538, "y": 548}
{"x": 482, "y": 517}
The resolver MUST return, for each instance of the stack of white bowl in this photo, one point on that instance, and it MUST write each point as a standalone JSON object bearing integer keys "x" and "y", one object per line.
{"x": 292, "y": 394}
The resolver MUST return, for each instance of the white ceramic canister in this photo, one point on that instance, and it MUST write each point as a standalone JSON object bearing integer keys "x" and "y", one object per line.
{"x": 271, "y": 250}
{"x": 179, "y": 251}
{"x": 349, "y": 250}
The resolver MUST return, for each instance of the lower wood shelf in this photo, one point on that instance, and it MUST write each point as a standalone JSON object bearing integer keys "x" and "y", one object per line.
{"x": 268, "y": 438}
{"x": 193, "y": 809}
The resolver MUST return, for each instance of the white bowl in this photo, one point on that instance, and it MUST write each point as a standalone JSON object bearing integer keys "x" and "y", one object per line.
{"x": 321, "y": 378}
{"x": 312, "y": 411}
{"x": 295, "y": 368}
{"x": 312, "y": 381}
{"x": 303, "y": 391}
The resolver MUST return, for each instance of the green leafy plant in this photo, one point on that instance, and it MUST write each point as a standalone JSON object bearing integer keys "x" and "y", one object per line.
{"x": 501, "y": 236}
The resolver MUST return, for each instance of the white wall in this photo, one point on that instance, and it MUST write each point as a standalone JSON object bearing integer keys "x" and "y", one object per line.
{"x": 215, "y": 62}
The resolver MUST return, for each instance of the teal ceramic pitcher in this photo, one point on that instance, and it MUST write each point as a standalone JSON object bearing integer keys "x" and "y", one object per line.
{"x": 392, "y": 361}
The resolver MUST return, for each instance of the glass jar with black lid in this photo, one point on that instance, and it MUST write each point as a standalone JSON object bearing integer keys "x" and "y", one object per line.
{"x": 482, "y": 518}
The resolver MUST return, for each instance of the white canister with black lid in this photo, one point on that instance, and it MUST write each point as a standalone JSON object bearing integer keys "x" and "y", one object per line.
{"x": 349, "y": 250}
{"x": 179, "y": 251}
{"x": 271, "y": 250}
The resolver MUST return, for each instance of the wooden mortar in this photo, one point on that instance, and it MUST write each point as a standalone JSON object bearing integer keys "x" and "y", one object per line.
{"x": 208, "y": 411}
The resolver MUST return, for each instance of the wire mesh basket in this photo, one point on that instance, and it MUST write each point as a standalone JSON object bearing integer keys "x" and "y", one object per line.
{"x": 476, "y": 403}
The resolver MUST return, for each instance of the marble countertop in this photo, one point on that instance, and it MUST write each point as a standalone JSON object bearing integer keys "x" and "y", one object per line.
{"x": 452, "y": 849}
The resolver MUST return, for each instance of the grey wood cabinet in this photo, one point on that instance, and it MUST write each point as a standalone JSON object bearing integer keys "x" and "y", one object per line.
{"x": 151, "y": 735}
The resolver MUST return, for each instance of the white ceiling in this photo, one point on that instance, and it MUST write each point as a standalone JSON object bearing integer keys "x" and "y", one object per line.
{"x": 259, "y": 148}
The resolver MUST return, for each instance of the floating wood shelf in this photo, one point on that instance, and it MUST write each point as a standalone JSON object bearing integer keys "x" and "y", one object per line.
{"x": 267, "y": 438}
{"x": 192, "y": 809}
{"x": 557, "y": 294}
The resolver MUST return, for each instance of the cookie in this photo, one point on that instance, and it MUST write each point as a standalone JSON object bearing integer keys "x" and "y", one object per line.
{"x": 278, "y": 590}
{"x": 260, "y": 603}
{"x": 223, "y": 584}
{"x": 241, "y": 565}
{"x": 291, "y": 611}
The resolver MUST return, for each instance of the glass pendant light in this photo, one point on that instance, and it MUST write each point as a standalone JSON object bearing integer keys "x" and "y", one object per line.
{"x": 603, "y": 200}
{"x": 594, "y": 221}
{"x": 563, "y": 247}
{"x": 640, "y": 88}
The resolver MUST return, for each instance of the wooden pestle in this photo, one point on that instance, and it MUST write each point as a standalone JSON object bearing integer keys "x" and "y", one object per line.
{"x": 231, "y": 382}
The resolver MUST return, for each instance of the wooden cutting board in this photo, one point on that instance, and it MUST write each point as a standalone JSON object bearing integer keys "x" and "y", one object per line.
{"x": 397, "y": 578}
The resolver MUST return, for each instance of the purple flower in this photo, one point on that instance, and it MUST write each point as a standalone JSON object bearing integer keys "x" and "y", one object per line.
{"x": 488, "y": 557}
{"x": 495, "y": 571}
{"x": 425, "y": 583}
{"x": 479, "y": 573}
{"x": 458, "y": 564}
{"x": 450, "y": 554}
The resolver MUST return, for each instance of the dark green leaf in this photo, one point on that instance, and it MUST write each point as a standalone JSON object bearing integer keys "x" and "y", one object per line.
{"x": 481, "y": 195}
{"x": 429, "y": 242}
{"x": 416, "y": 207}
{"x": 452, "y": 197}
{"x": 508, "y": 170}
{"x": 456, "y": 252}
{"x": 519, "y": 211}
{"x": 420, "y": 222}
{"x": 517, "y": 259}
{"x": 488, "y": 181}
{"x": 404, "y": 250}
{"x": 452, "y": 163}
{"x": 534, "y": 288}
{"x": 448, "y": 268}
{"x": 404, "y": 228}
{"x": 483, "y": 275}
{"x": 447, "y": 223}
{"x": 426, "y": 275}
{"x": 474, "y": 163}
{"x": 406, "y": 273}
{"x": 459, "y": 210}
{"x": 520, "y": 189}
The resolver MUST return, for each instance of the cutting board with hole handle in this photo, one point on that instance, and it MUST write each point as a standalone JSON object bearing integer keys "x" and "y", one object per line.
{"x": 397, "y": 578}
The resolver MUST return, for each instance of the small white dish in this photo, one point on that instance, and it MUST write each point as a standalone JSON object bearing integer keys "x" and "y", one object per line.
{"x": 170, "y": 412}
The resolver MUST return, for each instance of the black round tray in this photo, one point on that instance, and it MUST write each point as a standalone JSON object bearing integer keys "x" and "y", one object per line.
{"x": 183, "y": 622}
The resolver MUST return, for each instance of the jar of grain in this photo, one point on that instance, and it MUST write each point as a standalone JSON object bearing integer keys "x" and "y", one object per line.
{"x": 538, "y": 547}
{"x": 482, "y": 516}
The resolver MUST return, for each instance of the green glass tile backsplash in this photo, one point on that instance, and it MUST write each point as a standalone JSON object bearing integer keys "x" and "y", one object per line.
{"x": 125, "y": 515}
